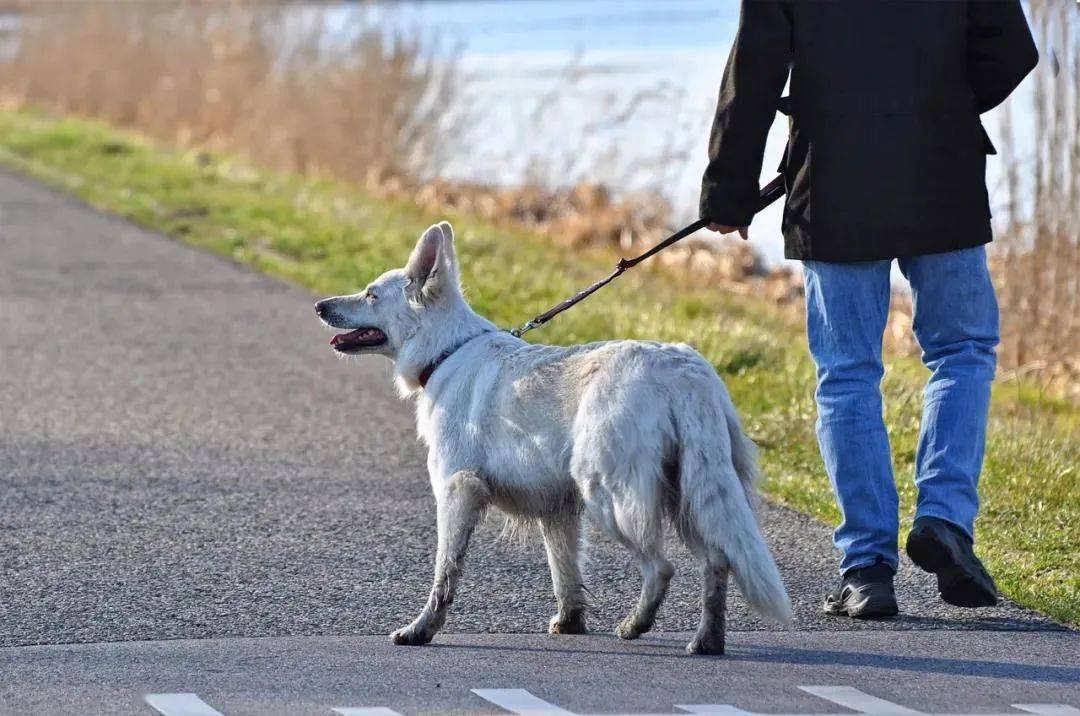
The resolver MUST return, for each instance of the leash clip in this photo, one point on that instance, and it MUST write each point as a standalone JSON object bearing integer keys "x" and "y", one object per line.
{"x": 519, "y": 332}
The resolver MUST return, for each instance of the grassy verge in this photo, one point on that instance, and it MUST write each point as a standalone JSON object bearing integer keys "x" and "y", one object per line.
{"x": 333, "y": 239}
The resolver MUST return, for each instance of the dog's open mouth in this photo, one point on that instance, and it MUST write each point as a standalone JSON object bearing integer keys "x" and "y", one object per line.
{"x": 358, "y": 340}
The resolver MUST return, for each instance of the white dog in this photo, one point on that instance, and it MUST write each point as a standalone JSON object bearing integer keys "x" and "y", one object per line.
{"x": 632, "y": 432}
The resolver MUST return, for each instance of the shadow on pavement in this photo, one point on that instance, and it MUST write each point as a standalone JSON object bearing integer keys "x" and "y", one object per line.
{"x": 926, "y": 664}
{"x": 671, "y": 648}
{"x": 974, "y": 623}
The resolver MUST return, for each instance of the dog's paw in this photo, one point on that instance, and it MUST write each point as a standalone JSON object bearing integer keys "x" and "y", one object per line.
{"x": 411, "y": 636}
{"x": 706, "y": 645}
{"x": 570, "y": 625}
{"x": 629, "y": 629}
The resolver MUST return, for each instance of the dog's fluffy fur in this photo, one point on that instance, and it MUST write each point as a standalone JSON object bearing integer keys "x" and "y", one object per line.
{"x": 630, "y": 432}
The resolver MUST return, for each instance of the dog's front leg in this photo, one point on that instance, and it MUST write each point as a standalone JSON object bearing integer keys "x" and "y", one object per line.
{"x": 562, "y": 538}
{"x": 460, "y": 507}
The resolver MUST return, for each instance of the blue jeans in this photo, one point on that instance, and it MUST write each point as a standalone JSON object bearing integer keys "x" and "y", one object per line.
{"x": 956, "y": 324}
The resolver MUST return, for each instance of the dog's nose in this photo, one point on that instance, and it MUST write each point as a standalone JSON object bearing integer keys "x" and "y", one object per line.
{"x": 320, "y": 308}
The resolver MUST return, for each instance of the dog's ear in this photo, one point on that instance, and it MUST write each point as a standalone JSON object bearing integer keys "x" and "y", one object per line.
{"x": 449, "y": 252}
{"x": 432, "y": 268}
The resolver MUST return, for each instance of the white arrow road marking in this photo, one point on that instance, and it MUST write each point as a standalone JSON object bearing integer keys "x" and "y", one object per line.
{"x": 851, "y": 698}
{"x": 1048, "y": 709}
{"x": 376, "y": 711}
{"x": 180, "y": 705}
{"x": 712, "y": 709}
{"x": 521, "y": 702}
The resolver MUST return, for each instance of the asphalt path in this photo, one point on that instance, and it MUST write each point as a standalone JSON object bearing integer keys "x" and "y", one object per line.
{"x": 926, "y": 671}
{"x": 182, "y": 458}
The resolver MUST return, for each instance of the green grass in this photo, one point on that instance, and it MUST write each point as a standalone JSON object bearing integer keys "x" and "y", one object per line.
{"x": 333, "y": 238}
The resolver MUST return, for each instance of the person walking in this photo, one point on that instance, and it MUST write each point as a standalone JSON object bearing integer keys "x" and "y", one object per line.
{"x": 885, "y": 161}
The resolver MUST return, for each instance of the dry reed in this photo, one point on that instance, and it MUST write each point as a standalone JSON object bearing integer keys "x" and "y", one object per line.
{"x": 262, "y": 80}
{"x": 1036, "y": 260}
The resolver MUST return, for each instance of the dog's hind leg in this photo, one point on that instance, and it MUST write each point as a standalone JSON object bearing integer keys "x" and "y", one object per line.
{"x": 637, "y": 524}
{"x": 460, "y": 508}
{"x": 710, "y": 634}
{"x": 656, "y": 574}
{"x": 640, "y": 530}
{"x": 562, "y": 539}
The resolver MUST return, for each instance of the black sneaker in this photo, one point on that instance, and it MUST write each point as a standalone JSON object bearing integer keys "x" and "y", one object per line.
{"x": 864, "y": 593}
{"x": 944, "y": 549}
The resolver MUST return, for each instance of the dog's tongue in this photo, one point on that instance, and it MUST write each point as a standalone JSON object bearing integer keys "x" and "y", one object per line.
{"x": 346, "y": 337}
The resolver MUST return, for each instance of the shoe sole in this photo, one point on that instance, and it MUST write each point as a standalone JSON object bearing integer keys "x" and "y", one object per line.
{"x": 958, "y": 585}
{"x": 868, "y": 608}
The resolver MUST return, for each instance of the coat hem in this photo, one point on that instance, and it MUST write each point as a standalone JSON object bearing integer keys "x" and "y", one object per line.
{"x": 795, "y": 252}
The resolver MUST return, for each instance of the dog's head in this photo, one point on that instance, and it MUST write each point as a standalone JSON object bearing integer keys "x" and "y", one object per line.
{"x": 393, "y": 308}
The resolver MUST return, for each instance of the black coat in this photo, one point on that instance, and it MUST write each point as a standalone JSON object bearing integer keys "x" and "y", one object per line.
{"x": 886, "y": 155}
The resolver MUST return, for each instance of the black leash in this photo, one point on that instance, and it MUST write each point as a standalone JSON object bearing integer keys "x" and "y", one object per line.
{"x": 769, "y": 193}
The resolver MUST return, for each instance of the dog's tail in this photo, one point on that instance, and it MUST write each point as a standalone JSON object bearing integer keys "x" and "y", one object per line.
{"x": 719, "y": 501}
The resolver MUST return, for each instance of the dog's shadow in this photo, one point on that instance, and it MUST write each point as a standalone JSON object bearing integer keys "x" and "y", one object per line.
{"x": 670, "y": 647}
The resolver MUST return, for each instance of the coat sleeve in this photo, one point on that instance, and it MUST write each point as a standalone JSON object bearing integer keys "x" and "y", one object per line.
{"x": 1001, "y": 51}
{"x": 754, "y": 78}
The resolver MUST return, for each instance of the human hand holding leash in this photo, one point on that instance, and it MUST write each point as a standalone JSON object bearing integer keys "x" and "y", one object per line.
{"x": 744, "y": 231}
{"x": 769, "y": 193}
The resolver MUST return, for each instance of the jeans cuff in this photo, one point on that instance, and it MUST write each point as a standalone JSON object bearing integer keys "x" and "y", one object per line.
{"x": 871, "y": 561}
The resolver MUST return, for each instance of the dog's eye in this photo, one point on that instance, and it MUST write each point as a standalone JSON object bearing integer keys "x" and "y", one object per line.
{"x": 370, "y": 295}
